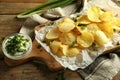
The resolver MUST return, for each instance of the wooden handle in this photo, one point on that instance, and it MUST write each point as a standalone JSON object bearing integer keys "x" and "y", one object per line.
{"x": 38, "y": 54}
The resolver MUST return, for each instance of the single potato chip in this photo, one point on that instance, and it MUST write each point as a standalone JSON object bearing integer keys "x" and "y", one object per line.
{"x": 73, "y": 51}
{"x": 55, "y": 46}
{"x": 67, "y": 38}
{"x": 83, "y": 19}
{"x": 92, "y": 27}
{"x": 53, "y": 33}
{"x": 66, "y": 26}
{"x": 64, "y": 49}
{"x": 117, "y": 22}
{"x": 106, "y": 16}
{"x": 100, "y": 38}
{"x": 107, "y": 28}
{"x": 116, "y": 29}
{"x": 94, "y": 13}
{"x": 67, "y": 20}
{"x": 85, "y": 39}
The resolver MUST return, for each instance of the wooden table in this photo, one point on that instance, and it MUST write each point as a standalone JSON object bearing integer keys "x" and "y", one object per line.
{"x": 10, "y": 24}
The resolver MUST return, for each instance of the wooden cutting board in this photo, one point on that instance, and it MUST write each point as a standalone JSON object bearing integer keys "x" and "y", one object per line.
{"x": 37, "y": 54}
{"x": 42, "y": 55}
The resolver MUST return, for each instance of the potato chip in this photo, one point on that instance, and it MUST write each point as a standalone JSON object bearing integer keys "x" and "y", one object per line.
{"x": 107, "y": 28}
{"x": 64, "y": 49}
{"x": 77, "y": 31}
{"x": 116, "y": 28}
{"x": 116, "y": 22}
{"x": 83, "y": 20}
{"x": 73, "y": 51}
{"x": 92, "y": 27}
{"x": 85, "y": 39}
{"x": 81, "y": 28}
{"x": 55, "y": 46}
{"x": 66, "y": 26}
{"x": 67, "y": 20}
{"x": 67, "y": 38}
{"x": 53, "y": 34}
{"x": 94, "y": 13}
{"x": 100, "y": 38}
{"x": 106, "y": 16}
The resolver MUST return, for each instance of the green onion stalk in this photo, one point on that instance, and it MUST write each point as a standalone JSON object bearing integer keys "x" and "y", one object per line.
{"x": 44, "y": 7}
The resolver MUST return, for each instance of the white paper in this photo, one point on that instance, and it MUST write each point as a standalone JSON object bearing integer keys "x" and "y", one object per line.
{"x": 76, "y": 62}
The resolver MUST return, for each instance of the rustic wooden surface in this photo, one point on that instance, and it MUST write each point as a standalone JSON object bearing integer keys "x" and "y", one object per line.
{"x": 9, "y": 24}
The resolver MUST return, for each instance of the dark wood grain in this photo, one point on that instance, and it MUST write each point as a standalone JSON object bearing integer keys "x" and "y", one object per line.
{"x": 15, "y": 8}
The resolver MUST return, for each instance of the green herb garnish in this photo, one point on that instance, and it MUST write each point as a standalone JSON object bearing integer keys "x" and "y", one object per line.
{"x": 74, "y": 19}
{"x": 118, "y": 43}
{"x": 93, "y": 44}
{"x": 16, "y": 44}
{"x": 83, "y": 26}
{"x": 73, "y": 43}
{"x": 44, "y": 7}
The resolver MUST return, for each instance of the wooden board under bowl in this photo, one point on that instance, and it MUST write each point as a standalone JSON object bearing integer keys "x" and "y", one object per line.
{"x": 42, "y": 55}
{"x": 37, "y": 53}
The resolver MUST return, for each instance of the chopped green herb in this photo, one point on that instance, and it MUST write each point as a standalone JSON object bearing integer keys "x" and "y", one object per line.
{"x": 73, "y": 43}
{"x": 114, "y": 30}
{"x": 51, "y": 23}
{"x": 74, "y": 19}
{"x": 93, "y": 44}
{"x": 83, "y": 27}
{"x": 118, "y": 43}
{"x": 16, "y": 44}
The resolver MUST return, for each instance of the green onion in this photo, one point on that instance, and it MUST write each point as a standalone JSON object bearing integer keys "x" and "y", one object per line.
{"x": 93, "y": 44}
{"x": 16, "y": 44}
{"x": 44, "y": 7}
{"x": 73, "y": 43}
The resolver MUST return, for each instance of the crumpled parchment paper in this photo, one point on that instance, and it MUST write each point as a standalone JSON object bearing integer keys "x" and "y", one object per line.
{"x": 84, "y": 58}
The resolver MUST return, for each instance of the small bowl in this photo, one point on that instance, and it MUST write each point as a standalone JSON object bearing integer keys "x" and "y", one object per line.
{"x": 17, "y": 55}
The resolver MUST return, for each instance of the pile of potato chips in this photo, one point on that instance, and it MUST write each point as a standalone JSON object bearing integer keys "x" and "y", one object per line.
{"x": 93, "y": 29}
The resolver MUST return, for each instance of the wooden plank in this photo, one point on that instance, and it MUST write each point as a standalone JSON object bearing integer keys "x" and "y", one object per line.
{"x": 9, "y": 23}
{"x": 24, "y": 1}
{"x": 15, "y": 8}
{"x": 10, "y": 19}
{"x": 32, "y": 71}
{"x": 117, "y": 77}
